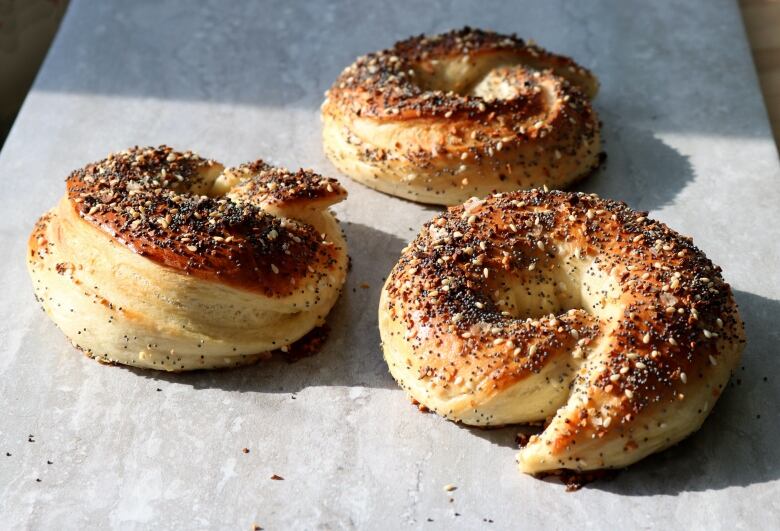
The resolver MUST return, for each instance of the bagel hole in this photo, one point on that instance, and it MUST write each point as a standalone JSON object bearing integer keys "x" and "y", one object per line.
{"x": 498, "y": 77}
{"x": 521, "y": 299}
{"x": 553, "y": 287}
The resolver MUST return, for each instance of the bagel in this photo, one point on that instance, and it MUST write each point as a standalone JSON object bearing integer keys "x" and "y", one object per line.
{"x": 611, "y": 328}
{"x": 165, "y": 260}
{"x": 440, "y": 119}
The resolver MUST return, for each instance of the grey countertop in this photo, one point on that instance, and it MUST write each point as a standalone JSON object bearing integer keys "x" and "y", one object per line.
{"x": 687, "y": 138}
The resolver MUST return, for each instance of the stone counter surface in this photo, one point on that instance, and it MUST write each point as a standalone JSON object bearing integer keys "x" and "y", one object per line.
{"x": 687, "y": 138}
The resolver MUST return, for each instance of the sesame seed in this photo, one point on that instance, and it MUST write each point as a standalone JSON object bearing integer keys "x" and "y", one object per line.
{"x": 274, "y": 269}
{"x": 683, "y": 377}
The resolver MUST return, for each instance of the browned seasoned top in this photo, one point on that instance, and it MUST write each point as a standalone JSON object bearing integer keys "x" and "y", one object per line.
{"x": 447, "y": 289}
{"x": 261, "y": 183}
{"x": 389, "y": 83}
{"x": 159, "y": 203}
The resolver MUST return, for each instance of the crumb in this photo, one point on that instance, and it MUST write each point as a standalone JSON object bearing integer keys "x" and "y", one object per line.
{"x": 245, "y": 450}
{"x": 307, "y": 346}
{"x": 576, "y": 480}
{"x": 277, "y": 477}
{"x": 521, "y": 439}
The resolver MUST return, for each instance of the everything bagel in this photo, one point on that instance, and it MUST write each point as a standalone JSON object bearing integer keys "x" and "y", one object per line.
{"x": 165, "y": 260}
{"x": 565, "y": 308}
{"x": 440, "y": 119}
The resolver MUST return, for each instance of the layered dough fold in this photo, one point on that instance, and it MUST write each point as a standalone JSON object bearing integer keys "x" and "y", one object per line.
{"x": 611, "y": 329}
{"x": 164, "y": 260}
{"x": 438, "y": 119}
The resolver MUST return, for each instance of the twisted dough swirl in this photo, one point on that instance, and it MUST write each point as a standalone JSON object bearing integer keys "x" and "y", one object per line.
{"x": 440, "y": 119}
{"x": 166, "y": 260}
{"x": 565, "y": 308}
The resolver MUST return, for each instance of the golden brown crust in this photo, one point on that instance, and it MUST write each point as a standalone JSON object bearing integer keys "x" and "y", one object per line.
{"x": 160, "y": 259}
{"x": 495, "y": 291}
{"x": 462, "y": 113}
{"x": 158, "y": 203}
{"x": 384, "y": 85}
{"x": 263, "y": 184}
